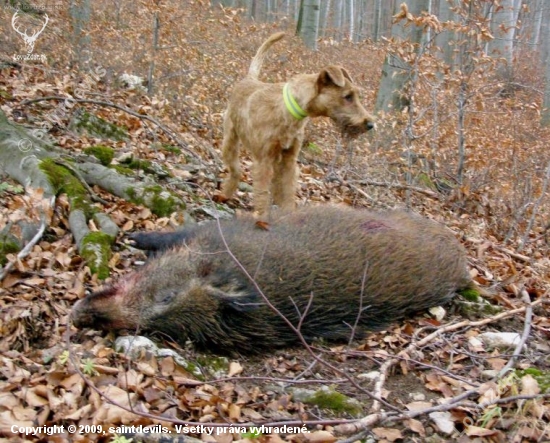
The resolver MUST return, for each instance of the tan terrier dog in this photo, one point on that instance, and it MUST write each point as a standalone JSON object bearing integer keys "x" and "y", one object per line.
{"x": 269, "y": 120}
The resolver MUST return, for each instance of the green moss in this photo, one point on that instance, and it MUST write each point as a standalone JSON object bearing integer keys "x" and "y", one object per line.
{"x": 479, "y": 307}
{"x": 5, "y": 94}
{"x": 171, "y": 149}
{"x": 424, "y": 179}
{"x": 7, "y": 247}
{"x": 63, "y": 181}
{"x": 104, "y": 154}
{"x": 8, "y": 187}
{"x": 334, "y": 401}
{"x": 122, "y": 170}
{"x": 147, "y": 166}
{"x": 132, "y": 194}
{"x": 98, "y": 127}
{"x": 161, "y": 202}
{"x": 213, "y": 363}
{"x": 136, "y": 163}
{"x": 216, "y": 367}
{"x": 542, "y": 378}
{"x": 96, "y": 250}
{"x": 163, "y": 206}
{"x": 470, "y": 294}
{"x": 312, "y": 148}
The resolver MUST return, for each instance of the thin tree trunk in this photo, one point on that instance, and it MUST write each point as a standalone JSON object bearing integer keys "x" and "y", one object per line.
{"x": 503, "y": 27}
{"x": 395, "y": 71}
{"x": 535, "y": 40}
{"x": 377, "y": 20}
{"x": 545, "y": 59}
{"x": 351, "y": 13}
{"x": 444, "y": 39}
{"x": 337, "y": 19}
{"x": 310, "y": 22}
{"x": 80, "y": 12}
{"x": 325, "y": 18}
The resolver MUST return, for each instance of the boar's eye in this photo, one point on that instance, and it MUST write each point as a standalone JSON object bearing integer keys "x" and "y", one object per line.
{"x": 165, "y": 296}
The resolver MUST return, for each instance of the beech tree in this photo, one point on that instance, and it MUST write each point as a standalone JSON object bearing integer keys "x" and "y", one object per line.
{"x": 545, "y": 44}
{"x": 445, "y": 39}
{"x": 308, "y": 23}
{"x": 503, "y": 21}
{"x": 396, "y": 71}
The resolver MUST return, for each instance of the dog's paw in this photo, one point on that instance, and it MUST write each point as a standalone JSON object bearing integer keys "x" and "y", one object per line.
{"x": 219, "y": 198}
{"x": 262, "y": 225}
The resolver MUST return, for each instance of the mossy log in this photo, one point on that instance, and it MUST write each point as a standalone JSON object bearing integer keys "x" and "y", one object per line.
{"x": 36, "y": 163}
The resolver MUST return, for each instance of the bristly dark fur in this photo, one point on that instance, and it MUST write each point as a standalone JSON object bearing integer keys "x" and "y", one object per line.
{"x": 334, "y": 267}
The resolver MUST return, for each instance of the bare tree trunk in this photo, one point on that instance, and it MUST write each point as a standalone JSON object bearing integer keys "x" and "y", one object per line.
{"x": 310, "y": 22}
{"x": 535, "y": 39}
{"x": 544, "y": 37}
{"x": 396, "y": 72}
{"x": 377, "y": 20}
{"x": 325, "y": 18}
{"x": 253, "y": 9}
{"x": 351, "y": 19}
{"x": 444, "y": 39}
{"x": 461, "y": 132}
{"x": 387, "y": 9}
{"x": 361, "y": 21}
{"x": 503, "y": 27}
{"x": 80, "y": 12}
{"x": 150, "y": 76}
{"x": 545, "y": 59}
{"x": 337, "y": 19}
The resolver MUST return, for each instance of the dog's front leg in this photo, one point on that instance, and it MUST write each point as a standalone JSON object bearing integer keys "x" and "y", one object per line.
{"x": 285, "y": 177}
{"x": 262, "y": 175}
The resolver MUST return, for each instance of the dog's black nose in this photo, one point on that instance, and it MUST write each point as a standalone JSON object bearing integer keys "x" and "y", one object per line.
{"x": 369, "y": 125}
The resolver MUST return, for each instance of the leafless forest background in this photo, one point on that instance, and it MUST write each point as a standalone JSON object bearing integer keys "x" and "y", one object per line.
{"x": 461, "y": 91}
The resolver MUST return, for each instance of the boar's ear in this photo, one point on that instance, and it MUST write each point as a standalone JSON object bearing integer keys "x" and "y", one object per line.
{"x": 240, "y": 301}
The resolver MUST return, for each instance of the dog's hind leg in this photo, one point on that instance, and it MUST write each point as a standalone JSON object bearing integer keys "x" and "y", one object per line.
{"x": 231, "y": 158}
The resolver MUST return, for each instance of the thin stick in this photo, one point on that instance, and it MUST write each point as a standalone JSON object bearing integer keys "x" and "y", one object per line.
{"x": 526, "y": 331}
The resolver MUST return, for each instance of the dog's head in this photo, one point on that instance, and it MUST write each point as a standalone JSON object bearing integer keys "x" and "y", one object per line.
{"x": 338, "y": 98}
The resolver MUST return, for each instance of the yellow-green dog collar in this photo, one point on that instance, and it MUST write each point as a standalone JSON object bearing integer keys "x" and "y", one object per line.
{"x": 292, "y": 105}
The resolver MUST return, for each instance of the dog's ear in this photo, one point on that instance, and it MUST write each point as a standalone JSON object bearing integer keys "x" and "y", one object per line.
{"x": 333, "y": 75}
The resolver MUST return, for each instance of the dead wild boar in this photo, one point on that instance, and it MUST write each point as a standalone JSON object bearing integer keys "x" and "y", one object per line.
{"x": 334, "y": 269}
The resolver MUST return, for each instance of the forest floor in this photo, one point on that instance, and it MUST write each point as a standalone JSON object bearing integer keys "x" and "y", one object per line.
{"x": 438, "y": 380}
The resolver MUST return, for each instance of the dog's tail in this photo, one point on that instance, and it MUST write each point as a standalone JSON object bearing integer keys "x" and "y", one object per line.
{"x": 258, "y": 60}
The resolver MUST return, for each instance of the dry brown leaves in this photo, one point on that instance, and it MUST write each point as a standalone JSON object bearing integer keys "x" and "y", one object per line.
{"x": 45, "y": 381}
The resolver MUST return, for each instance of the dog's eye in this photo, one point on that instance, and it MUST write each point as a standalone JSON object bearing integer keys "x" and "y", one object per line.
{"x": 348, "y": 97}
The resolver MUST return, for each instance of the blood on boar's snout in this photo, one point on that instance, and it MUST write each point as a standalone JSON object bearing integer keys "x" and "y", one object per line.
{"x": 328, "y": 267}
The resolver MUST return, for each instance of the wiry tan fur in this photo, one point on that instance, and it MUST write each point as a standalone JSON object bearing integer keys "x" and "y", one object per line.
{"x": 257, "y": 118}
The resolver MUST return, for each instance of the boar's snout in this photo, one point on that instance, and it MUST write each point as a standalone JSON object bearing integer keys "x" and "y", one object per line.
{"x": 82, "y": 316}
{"x": 101, "y": 311}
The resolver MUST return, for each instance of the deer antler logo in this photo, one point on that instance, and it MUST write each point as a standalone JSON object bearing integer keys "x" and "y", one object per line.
{"x": 28, "y": 39}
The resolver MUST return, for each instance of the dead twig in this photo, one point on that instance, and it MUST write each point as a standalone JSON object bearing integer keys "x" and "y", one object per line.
{"x": 525, "y": 335}
{"x": 424, "y": 191}
{"x": 452, "y": 327}
{"x": 30, "y": 245}
{"x": 487, "y": 244}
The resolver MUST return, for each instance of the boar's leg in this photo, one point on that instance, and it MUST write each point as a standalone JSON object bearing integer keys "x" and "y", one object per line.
{"x": 160, "y": 241}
